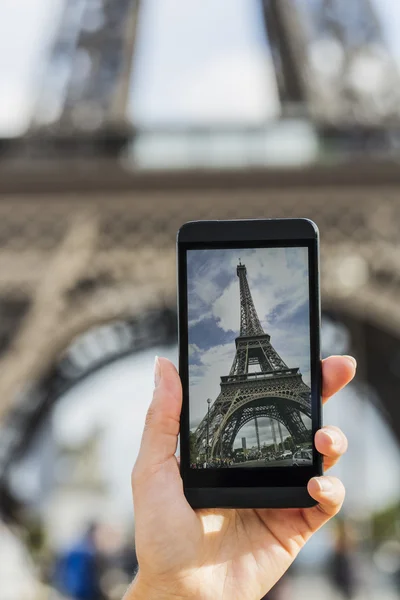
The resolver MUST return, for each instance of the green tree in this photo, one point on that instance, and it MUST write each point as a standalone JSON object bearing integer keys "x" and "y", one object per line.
{"x": 192, "y": 447}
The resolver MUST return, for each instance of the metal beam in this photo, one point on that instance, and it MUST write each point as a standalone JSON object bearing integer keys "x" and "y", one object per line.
{"x": 95, "y": 46}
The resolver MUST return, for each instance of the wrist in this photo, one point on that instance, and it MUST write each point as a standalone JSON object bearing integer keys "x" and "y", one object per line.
{"x": 141, "y": 590}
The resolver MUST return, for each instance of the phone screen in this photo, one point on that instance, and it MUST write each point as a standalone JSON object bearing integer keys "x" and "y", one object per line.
{"x": 249, "y": 357}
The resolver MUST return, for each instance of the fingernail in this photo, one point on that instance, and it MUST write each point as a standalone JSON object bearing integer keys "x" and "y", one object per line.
{"x": 325, "y": 484}
{"x": 157, "y": 371}
{"x": 351, "y": 359}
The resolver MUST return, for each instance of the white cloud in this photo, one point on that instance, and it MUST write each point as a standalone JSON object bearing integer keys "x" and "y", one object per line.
{"x": 201, "y": 317}
{"x": 193, "y": 349}
{"x": 227, "y": 308}
{"x": 206, "y": 289}
{"x": 205, "y": 380}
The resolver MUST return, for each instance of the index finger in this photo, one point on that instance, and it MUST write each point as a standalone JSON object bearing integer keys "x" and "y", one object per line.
{"x": 337, "y": 371}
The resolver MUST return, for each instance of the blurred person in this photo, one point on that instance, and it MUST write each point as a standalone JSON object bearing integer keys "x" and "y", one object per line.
{"x": 78, "y": 570}
{"x": 128, "y": 560}
{"x": 343, "y": 565}
{"x": 225, "y": 554}
{"x": 119, "y": 568}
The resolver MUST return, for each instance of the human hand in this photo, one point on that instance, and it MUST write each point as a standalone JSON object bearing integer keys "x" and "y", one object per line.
{"x": 219, "y": 553}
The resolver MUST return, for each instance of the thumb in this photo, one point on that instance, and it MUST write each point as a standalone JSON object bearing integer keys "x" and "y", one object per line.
{"x": 160, "y": 435}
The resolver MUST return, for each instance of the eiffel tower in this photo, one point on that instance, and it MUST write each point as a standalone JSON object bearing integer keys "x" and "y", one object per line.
{"x": 275, "y": 391}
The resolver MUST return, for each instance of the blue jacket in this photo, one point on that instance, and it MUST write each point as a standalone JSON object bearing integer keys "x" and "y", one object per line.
{"x": 77, "y": 572}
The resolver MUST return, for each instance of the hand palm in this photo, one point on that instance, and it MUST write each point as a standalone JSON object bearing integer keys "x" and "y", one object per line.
{"x": 218, "y": 553}
{"x": 230, "y": 552}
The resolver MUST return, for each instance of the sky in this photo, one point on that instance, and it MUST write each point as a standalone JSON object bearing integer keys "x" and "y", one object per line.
{"x": 278, "y": 280}
{"x": 26, "y": 29}
{"x": 194, "y": 69}
{"x": 190, "y": 68}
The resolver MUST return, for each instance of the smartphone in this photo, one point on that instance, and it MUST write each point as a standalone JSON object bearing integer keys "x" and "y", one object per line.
{"x": 249, "y": 361}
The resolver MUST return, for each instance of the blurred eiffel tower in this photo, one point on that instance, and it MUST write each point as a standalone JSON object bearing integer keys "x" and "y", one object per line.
{"x": 87, "y": 83}
{"x": 333, "y": 55}
{"x": 330, "y": 57}
{"x": 85, "y": 241}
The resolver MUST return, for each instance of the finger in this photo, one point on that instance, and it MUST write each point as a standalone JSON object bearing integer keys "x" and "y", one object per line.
{"x": 329, "y": 492}
{"x": 160, "y": 435}
{"x": 331, "y": 442}
{"x": 337, "y": 371}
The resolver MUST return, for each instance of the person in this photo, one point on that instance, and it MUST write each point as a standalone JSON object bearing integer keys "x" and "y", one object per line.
{"x": 343, "y": 564}
{"x": 219, "y": 553}
{"x": 77, "y": 573}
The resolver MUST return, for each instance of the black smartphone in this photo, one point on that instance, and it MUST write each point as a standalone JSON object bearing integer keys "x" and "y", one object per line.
{"x": 249, "y": 361}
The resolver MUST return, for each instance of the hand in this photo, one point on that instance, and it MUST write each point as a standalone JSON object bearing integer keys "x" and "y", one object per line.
{"x": 219, "y": 553}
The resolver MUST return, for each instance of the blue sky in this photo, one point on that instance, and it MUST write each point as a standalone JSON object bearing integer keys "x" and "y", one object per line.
{"x": 278, "y": 279}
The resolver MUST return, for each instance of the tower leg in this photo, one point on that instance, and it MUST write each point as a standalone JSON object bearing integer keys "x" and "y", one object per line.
{"x": 280, "y": 434}
{"x": 257, "y": 434}
{"x": 272, "y": 421}
{"x": 295, "y": 426}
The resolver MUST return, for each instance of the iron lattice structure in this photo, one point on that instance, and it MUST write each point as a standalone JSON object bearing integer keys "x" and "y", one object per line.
{"x": 275, "y": 391}
{"x": 86, "y": 84}
{"x": 322, "y": 50}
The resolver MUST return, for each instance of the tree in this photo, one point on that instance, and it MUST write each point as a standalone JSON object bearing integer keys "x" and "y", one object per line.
{"x": 192, "y": 447}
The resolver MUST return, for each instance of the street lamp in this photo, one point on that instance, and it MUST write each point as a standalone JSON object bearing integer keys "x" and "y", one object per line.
{"x": 208, "y": 427}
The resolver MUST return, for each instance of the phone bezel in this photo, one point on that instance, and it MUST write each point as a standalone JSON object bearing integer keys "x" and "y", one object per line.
{"x": 258, "y": 233}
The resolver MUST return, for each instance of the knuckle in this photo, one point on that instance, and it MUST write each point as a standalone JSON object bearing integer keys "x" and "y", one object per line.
{"x": 151, "y": 417}
{"x": 159, "y": 419}
{"x": 138, "y": 477}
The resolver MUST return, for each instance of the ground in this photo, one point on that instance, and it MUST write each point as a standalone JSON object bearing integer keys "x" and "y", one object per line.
{"x": 261, "y": 463}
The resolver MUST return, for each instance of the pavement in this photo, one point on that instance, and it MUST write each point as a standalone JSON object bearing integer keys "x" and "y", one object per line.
{"x": 315, "y": 587}
{"x": 287, "y": 462}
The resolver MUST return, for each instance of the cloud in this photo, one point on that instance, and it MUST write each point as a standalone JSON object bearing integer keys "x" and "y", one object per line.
{"x": 207, "y": 333}
{"x": 200, "y": 317}
{"x": 227, "y": 308}
{"x": 205, "y": 379}
{"x": 193, "y": 349}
